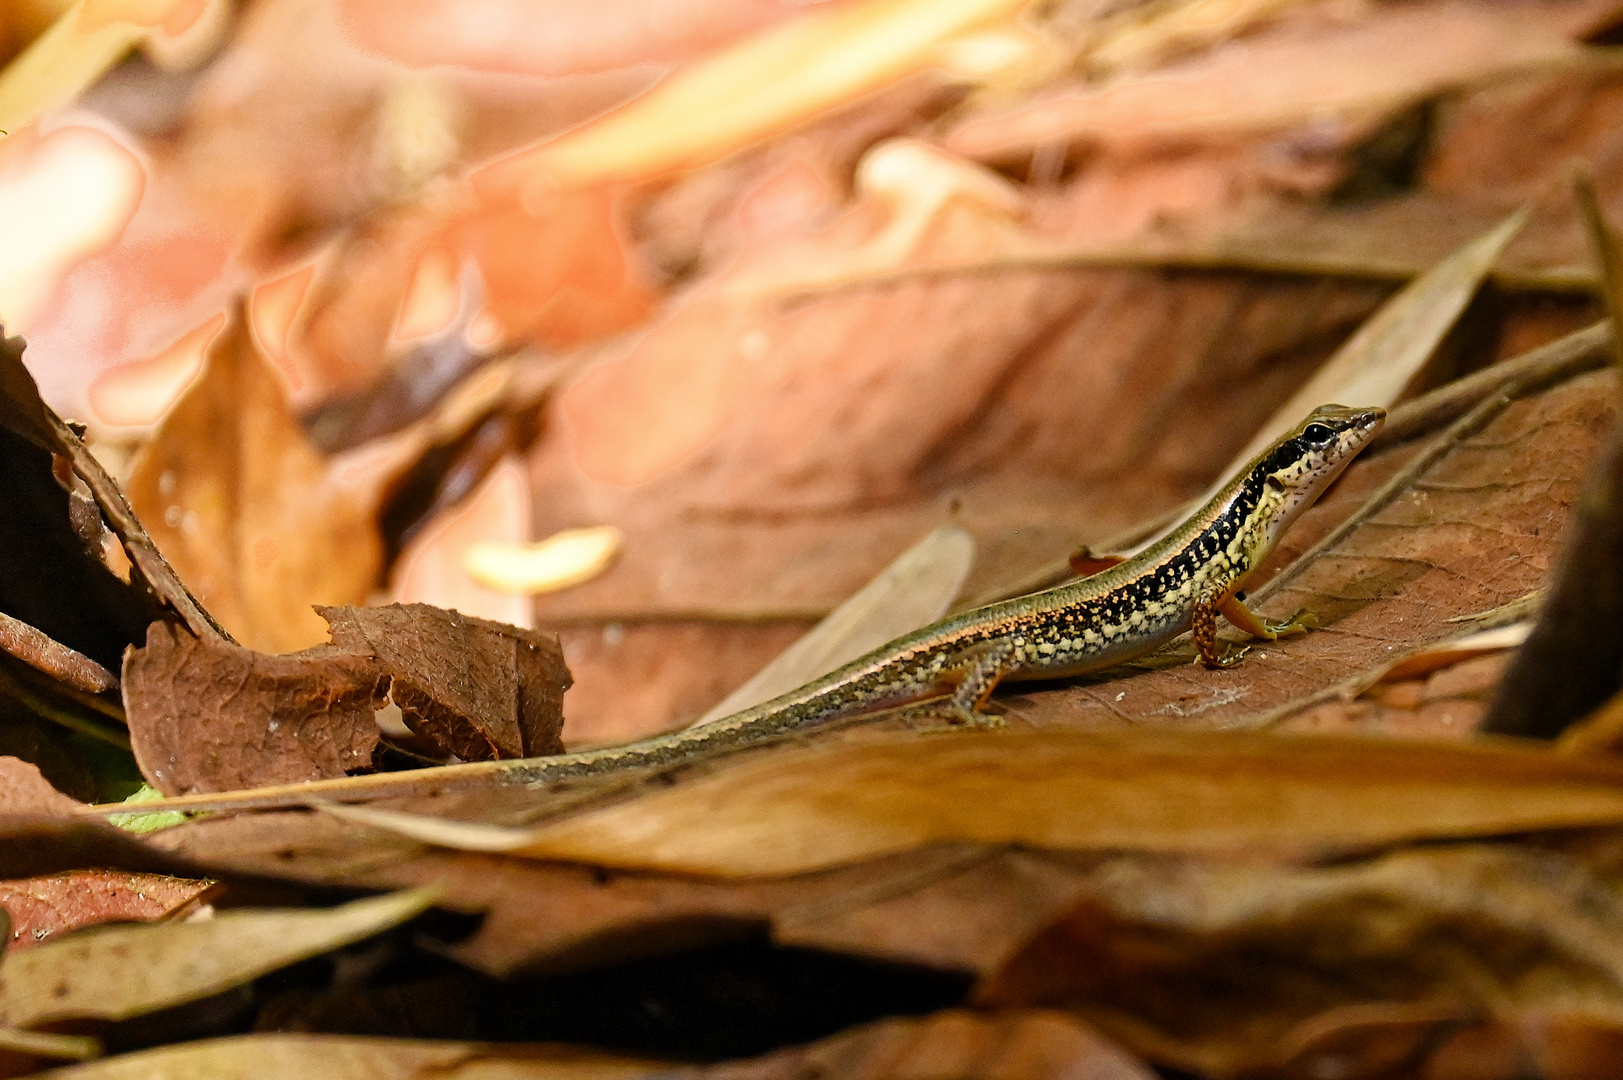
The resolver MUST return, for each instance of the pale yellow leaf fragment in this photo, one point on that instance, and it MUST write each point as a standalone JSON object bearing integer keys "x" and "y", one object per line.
{"x": 565, "y": 558}
{"x": 90, "y": 37}
{"x": 357, "y": 1057}
{"x": 763, "y": 85}
{"x": 937, "y": 212}
{"x": 116, "y": 972}
{"x": 45, "y": 1045}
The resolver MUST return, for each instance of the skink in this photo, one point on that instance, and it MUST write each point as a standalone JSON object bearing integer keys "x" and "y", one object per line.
{"x": 1183, "y": 581}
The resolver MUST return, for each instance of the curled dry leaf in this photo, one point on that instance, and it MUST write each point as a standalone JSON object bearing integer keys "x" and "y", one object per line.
{"x": 1231, "y": 969}
{"x": 477, "y": 688}
{"x": 113, "y": 973}
{"x": 207, "y": 715}
{"x": 43, "y": 906}
{"x": 246, "y": 509}
{"x": 59, "y": 585}
{"x": 805, "y": 809}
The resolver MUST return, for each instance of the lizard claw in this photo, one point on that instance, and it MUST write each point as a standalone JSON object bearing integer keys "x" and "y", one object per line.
{"x": 1299, "y": 623}
{"x": 1227, "y": 659}
{"x": 974, "y": 718}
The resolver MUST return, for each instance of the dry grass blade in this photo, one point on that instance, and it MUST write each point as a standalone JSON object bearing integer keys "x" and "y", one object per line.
{"x": 808, "y": 809}
{"x": 117, "y": 972}
{"x": 913, "y": 591}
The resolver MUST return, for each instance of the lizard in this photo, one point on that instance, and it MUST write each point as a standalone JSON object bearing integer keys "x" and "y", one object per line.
{"x": 1181, "y": 582}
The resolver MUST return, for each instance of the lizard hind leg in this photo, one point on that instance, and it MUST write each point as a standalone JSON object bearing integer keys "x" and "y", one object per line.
{"x": 1213, "y": 653}
{"x": 978, "y": 670}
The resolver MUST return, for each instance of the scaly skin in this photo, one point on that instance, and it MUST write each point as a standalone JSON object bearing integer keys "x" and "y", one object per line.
{"x": 1184, "y": 580}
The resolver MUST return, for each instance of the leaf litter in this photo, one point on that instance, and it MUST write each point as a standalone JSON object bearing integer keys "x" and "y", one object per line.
{"x": 762, "y": 451}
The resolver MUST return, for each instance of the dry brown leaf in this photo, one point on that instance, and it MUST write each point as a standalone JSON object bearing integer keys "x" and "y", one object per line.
{"x": 1455, "y": 650}
{"x": 1030, "y": 1044}
{"x": 1239, "y": 969}
{"x": 208, "y": 715}
{"x": 116, "y": 972}
{"x": 63, "y": 587}
{"x": 246, "y": 509}
{"x": 42, "y": 906}
{"x": 805, "y": 809}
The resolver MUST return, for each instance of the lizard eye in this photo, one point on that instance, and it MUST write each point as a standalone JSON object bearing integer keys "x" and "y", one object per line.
{"x": 1317, "y": 434}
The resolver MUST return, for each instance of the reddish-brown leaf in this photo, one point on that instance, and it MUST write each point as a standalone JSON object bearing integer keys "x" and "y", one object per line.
{"x": 42, "y": 906}
{"x": 207, "y": 715}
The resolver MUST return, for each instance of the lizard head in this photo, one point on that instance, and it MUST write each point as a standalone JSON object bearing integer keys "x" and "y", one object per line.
{"x": 1303, "y": 462}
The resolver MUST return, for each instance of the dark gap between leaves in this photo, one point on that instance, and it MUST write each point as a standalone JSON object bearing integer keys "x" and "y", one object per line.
{"x": 718, "y": 1002}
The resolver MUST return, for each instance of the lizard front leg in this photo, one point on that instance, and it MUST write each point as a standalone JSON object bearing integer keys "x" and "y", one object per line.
{"x": 1234, "y": 610}
{"x": 978, "y": 670}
